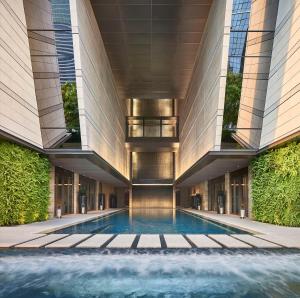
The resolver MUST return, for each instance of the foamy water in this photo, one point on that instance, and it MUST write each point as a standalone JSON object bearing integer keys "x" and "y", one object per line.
{"x": 96, "y": 274}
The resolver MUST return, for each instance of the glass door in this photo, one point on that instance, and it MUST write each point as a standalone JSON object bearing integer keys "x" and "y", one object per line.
{"x": 239, "y": 191}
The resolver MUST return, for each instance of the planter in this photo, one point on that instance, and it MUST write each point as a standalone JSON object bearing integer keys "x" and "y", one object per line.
{"x": 82, "y": 209}
{"x": 221, "y": 210}
{"x": 101, "y": 207}
{"x": 58, "y": 213}
{"x": 242, "y": 213}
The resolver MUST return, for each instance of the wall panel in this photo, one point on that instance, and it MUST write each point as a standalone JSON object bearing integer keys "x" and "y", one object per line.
{"x": 256, "y": 70}
{"x": 45, "y": 70}
{"x": 152, "y": 197}
{"x": 101, "y": 110}
{"x": 201, "y": 115}
{"x": 282, "y": 108}
{"x": 19, "y": 112}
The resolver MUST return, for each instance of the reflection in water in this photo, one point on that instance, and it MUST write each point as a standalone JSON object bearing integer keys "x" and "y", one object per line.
{"x": 93, "y": 274}
{"x": 152, "y": 213}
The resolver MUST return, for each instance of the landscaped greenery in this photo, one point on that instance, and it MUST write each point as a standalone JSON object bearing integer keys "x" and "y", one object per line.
{"x": 69, "y": 95}
{"x": 276, "y": 186}
{"x": 232, "y": 99}
{"x": 24, "y": 185}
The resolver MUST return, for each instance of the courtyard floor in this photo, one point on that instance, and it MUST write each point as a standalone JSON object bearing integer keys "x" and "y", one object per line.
{"x": 262, "y": 235}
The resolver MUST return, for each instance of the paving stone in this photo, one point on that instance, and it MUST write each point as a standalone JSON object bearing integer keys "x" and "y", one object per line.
{"x": 259, "y": 243}
{"x": 202, "y": 241}
{"x": 229, "y": 242}
{"x": 122, "y": 241}
{"x": 290, "y": 242}
{"x": 11, "y": 240}
{"x": 95, "y": 241}
{"x": 176, "y": 241}
{"x": 149, "y": 241}
{"x": 68, "y": 241}
{"x": 42, "y": 241}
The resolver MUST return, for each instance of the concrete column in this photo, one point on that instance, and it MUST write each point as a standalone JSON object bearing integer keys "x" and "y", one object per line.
{"x": 97, "y": 194}
{"x": 174, "y": 198}
{"x": 75, "y": 192}
{"x": 130, "y": 197}
{"x": 51, "y": 207}
{"x": 205, "y": 195}
{"x": 250, "y": 193}
{"x": 228, "y": 206}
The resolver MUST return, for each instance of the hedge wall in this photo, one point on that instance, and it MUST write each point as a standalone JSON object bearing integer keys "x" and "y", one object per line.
{"x": 24, "y": 185}
{"x": 276, "y": 186}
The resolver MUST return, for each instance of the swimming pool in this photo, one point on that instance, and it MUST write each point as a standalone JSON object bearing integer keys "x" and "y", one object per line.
{"x": 150, "y": 221}
{"x": 69, "y": 274}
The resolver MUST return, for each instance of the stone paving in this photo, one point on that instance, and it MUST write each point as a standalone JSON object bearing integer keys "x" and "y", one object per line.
{"x": 282, "y": 236}
{"x": 262, "y": 235}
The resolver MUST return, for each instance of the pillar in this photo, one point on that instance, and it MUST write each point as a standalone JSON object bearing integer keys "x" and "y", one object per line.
{"x": 97, "y": 194}
{"x": 228, "y": 206}
{"x": 75, "y": 192}
{"x": 250, "y": 193}
{"x": 174, "y": 198}
{"x": 130, "y": 197}
{"x": 51, "y": 207}
{"x": 205, "y": 195}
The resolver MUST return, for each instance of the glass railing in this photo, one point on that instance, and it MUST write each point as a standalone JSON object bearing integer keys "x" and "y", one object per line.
{"x": 152, "y": 127}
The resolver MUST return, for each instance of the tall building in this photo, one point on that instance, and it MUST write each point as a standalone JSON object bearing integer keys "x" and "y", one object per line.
{"x": 157, "y": 123}
{"x": 63, "y": 38}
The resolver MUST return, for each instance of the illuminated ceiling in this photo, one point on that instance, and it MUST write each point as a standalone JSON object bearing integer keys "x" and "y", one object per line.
{"x": 152, "y": 44}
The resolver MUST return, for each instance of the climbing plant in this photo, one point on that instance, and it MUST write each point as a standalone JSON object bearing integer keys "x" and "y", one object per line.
{"x": 276, "y": 186}
{"x": 24, "y": 185}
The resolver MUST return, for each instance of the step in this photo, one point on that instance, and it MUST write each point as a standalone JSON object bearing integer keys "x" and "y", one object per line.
{"x": 257, "y": 242}
{"x": 149, "y": 241}
{"x": 69, "y": 241}
{"x": 176, "y": 241}
{"x": 122, "y": 241}
{"x": 228, "y": 241}
{"x": 95, "y": 241}
{"x": 202, "y": 241}
{"x": 36, "y": 243}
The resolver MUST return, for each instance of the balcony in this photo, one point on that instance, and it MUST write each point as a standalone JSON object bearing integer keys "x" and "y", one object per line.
{"x": 152, "y": 128}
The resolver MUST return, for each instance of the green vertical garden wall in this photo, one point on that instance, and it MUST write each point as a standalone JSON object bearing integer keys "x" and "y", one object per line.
{"x": 276, "y": 186}
{"x": 24, "y": 185}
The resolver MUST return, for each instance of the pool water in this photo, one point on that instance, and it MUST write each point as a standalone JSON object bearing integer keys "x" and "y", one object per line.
{"x": 150, "y": 221}
{"x": 44, "y": 273}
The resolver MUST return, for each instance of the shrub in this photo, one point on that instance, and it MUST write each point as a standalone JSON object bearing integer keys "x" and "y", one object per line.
{"x": 276, "y": 186}
{"x": 24, "y": 185}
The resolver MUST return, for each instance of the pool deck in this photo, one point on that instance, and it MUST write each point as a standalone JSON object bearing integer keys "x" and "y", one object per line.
{"x": 262, "y": 235}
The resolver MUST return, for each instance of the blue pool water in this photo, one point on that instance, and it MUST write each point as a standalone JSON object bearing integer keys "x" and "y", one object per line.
{"x": 90, "y": 274}
{"x": 150, "y": 221}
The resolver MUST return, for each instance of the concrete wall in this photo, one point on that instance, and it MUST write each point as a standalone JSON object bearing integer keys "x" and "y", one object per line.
{"x": 282, "y": 108}
{"x": 256, "y": 70}
{"x": 45, "y": 70}
{"x": 101, "y": 111}
{"x": 19, "y": 111}
{"x": 152, "y": 197}
{"x": 201, "y": 115}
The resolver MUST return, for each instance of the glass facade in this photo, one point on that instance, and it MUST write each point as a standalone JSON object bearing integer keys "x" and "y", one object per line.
{"x": 63, "y": 39}
{"x": 238, "y": 34}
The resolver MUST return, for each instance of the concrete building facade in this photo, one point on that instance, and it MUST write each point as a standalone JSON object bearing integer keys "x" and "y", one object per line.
{"x": 152, "y": 81}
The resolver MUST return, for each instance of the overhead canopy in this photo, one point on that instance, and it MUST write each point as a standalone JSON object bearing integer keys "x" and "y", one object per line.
{"x": 215, "y": 164}
{"x": 152, "y": 44}
{"x": 87, "y": 163}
